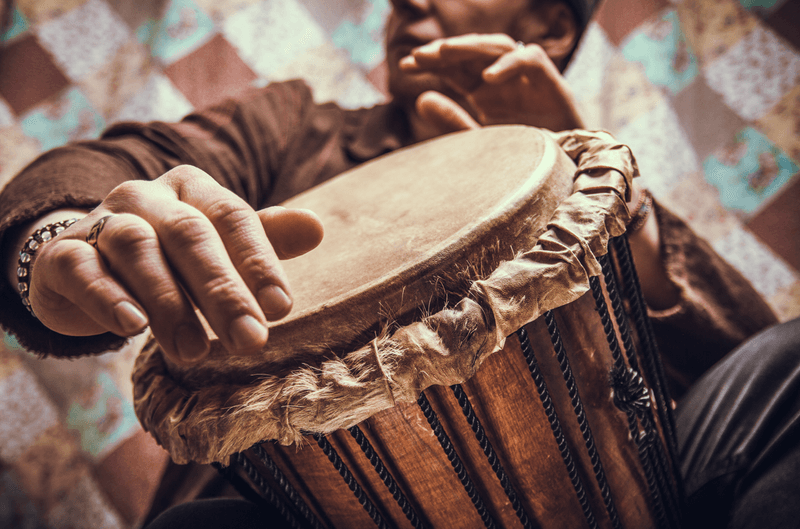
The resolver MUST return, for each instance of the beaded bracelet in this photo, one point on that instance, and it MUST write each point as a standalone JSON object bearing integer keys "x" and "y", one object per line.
{"x": 39, "y": 237}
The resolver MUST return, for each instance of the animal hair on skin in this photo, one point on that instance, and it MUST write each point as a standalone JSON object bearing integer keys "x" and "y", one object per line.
{"x": 315, "y": 391}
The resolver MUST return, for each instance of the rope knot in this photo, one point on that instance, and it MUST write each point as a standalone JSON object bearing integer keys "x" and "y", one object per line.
{"x": 630, "y": 392}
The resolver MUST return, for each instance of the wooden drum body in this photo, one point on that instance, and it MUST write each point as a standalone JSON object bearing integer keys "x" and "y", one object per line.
{"x": 391, "y": 396}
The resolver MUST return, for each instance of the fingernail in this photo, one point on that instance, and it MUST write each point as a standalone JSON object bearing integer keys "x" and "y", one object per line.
{"x": 274, "y": 300}
{"x": 247, "y": 334}
{"x": 129, "y": 317}
{"x": 191, "y": 342}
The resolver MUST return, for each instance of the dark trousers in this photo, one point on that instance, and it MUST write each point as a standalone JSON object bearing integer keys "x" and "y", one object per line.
{"x": 738, "y": 434}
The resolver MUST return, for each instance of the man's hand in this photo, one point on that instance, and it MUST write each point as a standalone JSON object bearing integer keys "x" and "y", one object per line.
{"x": 500, "y": 81}
{"x": 177, "y": 242}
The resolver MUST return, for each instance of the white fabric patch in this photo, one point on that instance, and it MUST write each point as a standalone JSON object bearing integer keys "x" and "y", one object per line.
{"x": 586, "y": 71}
{"x": 84, "y": 39}
{"x": 25, "y": 413}
{"x": 754, "y": 74}
{"x": 7, "y": 118}
{"x": 757, "y": 263}
{"x": 291, "y": 31}
{"x": 664, "y": 153}
{"x": 157, "y": 100}
{"x": 84, "y": 506}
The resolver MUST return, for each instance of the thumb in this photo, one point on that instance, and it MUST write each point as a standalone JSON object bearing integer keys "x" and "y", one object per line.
{"x": 292, "y": 232}
{"x": 444, "y": 114}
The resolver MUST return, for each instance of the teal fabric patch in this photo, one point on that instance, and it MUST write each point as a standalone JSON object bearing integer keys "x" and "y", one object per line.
{"x": 11, "y": 343}
{"x": 70, "y": 118}
{"x": 760, "y": 4}
{"x": 763, "y": 8}
{"x": 183, "y": 29}
{"x": 364, "y": 41}
{"x": 664, "y": 53}
{"x": 104, "y": 420}
{"x": 145, "y": 33}
{"x": 18, "y": 26}
{"x": 750, "y": 171}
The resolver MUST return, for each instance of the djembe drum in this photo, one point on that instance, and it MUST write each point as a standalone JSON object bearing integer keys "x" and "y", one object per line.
{"x": 459, "y": 354}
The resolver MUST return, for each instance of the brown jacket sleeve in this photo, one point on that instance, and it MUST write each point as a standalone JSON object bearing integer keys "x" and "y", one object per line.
{"x": 260, "y": 146}
{"x": 717, "y": 311}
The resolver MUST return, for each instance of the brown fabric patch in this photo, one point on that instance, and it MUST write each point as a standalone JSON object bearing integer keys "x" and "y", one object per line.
{"x": 778, "y": 224}
{"x": 29, "y": 75}
{"x": 706, "y": 136}
{"x": 621, "y": 17}
{"x": 211, "y": 74}
{"x": 130, "y": 474}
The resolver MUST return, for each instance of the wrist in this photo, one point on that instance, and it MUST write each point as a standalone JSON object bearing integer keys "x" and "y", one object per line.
{"x": 660, "y": 292}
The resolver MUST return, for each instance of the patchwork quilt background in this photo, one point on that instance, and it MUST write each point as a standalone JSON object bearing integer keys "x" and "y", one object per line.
{"x": 706, "y": 92}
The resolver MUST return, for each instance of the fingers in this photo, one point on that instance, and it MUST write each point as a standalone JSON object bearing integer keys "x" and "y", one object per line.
{"x": 243, "y": 241}
{"x": 70, "y": 273}
{"x": 525, "y": 86}
{"x": 530, "y": 60}
{"x": 172, "y": 244}
{"x": 464, "y": 49}
{"x": 220, "y": 254}
{"x": 122, "y": 285}
{"x": 292, "y": 232}
{"x": 443, "y": 114}
{"x": 127, "y": 239}
{"x": 460, "y": 61}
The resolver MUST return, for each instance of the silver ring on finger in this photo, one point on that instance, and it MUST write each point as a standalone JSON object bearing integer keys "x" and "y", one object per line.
{"x": 97, "y": 227}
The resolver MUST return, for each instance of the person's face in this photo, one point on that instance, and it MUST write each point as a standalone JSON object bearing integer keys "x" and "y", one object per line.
{"x": 413, "y": 23}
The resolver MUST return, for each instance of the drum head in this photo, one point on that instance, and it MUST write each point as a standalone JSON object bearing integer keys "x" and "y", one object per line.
{"x": 399, "y": 225}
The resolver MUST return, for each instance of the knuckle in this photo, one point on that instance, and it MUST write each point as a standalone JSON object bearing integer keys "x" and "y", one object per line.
{"x": 165, "y": 299}
{"x": 62, "y": 257}
{"x": 133, "y": 234}
{"x": 183, "y": 178}
{"x": 225, "y": 292}
{"x": 126, "y": 192}
{"x": 231, "y": 212}
{"x": 97, "y": 289}
{"x": 536, "y": 53}
{"x": 184, "y": 230}
{"x": 183, "y": 173}
{"x": 257, "y": 269}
